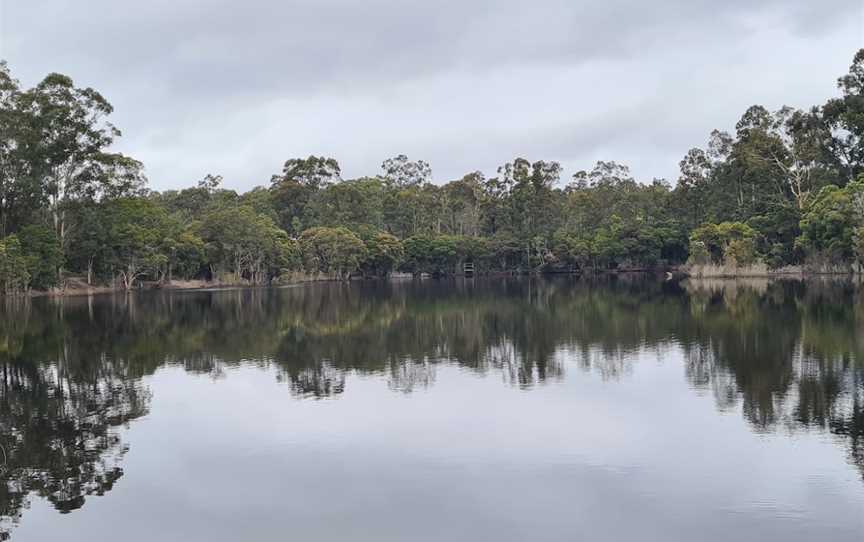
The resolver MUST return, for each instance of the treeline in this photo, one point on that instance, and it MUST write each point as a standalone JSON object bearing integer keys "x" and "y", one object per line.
{"x": 786, "y": 188}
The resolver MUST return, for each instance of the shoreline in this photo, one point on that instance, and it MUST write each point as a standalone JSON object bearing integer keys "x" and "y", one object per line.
{"x": 78, "y": 289}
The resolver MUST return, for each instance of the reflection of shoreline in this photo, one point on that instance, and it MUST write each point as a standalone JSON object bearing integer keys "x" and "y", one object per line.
{"x": 760, "y": 283}
{"x": 788, "y": 353}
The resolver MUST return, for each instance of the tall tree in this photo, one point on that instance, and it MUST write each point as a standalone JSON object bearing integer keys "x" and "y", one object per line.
{"x": 403, "y": 172}
{"x": 845, "y": 118}
{"x": 71, "y": 156}
{"x": 294, "y": 188}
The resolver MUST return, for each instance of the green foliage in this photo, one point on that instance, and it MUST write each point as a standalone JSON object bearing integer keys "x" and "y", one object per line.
{"x": 293, "y": 190}
{"x": 780, "y": 189}
{"x": 444, "y": 254}
{"x": 776, "y": 232}
{"x": 727, "y": 243}
{"x": 186, "y": 253}
{"x": 384, "y": 253}
{"x": 352, "y": 204}
{"x": 829, "y": 225}
{"x": 43, "y": 255}
{"x": 135, "y": 231}
{"x": 844, "y": 117}
{"x": 247, "y": 245}
{"x": 14, "y": 276}
{"x": 334, "y": 251}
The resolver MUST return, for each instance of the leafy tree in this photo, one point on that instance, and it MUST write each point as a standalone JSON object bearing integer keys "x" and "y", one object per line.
{"x": 135, "y": 236}
{"x": 727, "y": 243}
{"x": 384, "y": 253}
{"x": 248, "y": 245}
{"x": 43, "y": 255}
{"x": 261, "y": 200}
{"x": 353, "y": 204}
{"x": 14, "y": 276}
{"x": 462, "y": 200}
{"x": 294, "y": 189}
{"x": 779, "y": 189}
{"x": 402, "y": 172}
{"x": 830, "y": 224}
{"x": 694, "y": 184}
{"x": 844, "y": 117}
{"x": 333, "y": 251}
{"x": 87, "y": 244}
{"x": 70, "y": 153}
{"x": 186, "y": 254}
{"x": 21, "y": 191}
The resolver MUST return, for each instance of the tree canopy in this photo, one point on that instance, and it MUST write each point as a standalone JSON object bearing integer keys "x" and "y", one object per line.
{"x": 784, "y": 188}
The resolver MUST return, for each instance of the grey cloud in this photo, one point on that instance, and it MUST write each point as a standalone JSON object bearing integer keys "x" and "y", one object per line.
{"x": 237, "y": 87}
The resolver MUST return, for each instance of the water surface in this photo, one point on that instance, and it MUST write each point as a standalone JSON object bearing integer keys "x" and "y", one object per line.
{"x": 627, "y": 409}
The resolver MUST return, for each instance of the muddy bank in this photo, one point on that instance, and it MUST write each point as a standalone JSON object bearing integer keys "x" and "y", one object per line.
{"x": 74, "y": 286}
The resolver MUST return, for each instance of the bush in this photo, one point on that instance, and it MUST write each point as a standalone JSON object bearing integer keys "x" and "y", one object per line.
{"x": 727, "y": 243}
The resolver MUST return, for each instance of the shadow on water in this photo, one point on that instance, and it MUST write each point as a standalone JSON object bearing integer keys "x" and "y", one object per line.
{"x": 789, "y": 355}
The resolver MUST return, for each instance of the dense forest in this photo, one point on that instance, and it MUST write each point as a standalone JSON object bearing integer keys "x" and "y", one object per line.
{"x": 785, "y": 189}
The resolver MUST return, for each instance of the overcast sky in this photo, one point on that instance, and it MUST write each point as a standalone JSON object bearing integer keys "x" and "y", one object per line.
{"x": 235, "y": 88}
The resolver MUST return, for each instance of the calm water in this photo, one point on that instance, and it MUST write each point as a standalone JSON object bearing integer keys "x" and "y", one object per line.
{"x": 488, "y": 410}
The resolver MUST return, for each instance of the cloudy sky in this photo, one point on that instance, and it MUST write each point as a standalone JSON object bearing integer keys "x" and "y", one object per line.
{"x": 235, "y": 88}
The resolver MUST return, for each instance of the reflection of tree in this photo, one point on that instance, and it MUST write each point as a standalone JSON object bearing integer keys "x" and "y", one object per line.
{"x": 409, "y": 375}
{"x": 788, "y": 354}
{"x": 319, "y": 380}
{"x": 59, "y": 431}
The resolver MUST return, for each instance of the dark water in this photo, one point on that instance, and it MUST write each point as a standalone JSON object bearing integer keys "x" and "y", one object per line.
{"x": 488, "y": 410}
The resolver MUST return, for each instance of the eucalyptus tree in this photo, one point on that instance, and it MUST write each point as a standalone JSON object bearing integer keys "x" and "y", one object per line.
{"x": 845, "y": 118}
{"x": 71, "y": 156}
{"x": 337, "y": 252}
{"x": 462, "y": 203}
{"x": 352, "y": 203}
{"x": 402, "y": 172}
{"x": 14, "y": 275}
{"x": 243, "y": 244}
{"x": 294, "y": 188}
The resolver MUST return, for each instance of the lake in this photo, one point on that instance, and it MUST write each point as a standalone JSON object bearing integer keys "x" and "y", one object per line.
{"x": 570, "y": 409}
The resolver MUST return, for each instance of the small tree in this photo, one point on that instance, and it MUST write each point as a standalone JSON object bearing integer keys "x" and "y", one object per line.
{"x": 14, "y": 276}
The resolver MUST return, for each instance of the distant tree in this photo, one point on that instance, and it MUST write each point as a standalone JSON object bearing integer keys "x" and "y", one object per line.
{"x": 334, "y": 251}
{"x": 831, "y": 222}
{"x": 844, "y": 117}
{"x": 295, "y": 187}
{"x": 43, "y": 254}
{"x": 462, "y": 201}
{"x": 727, "y": 243}
{"x": 14, "y": 276}
{"x": 402, "y": 172}
{"x": 134, "y": 234}
{"x": 694, "y": 184}
{"x": 246, "y": 244}
{"x": 71, "y": 154}
{"x": 210, "y": 182}
{"x": 353, "y": 203}
{"x": 384, "y": 253}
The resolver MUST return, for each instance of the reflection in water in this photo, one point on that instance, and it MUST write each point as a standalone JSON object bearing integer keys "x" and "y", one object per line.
{"x": 58, "y": 421}
{"x": 789, "y": 355}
